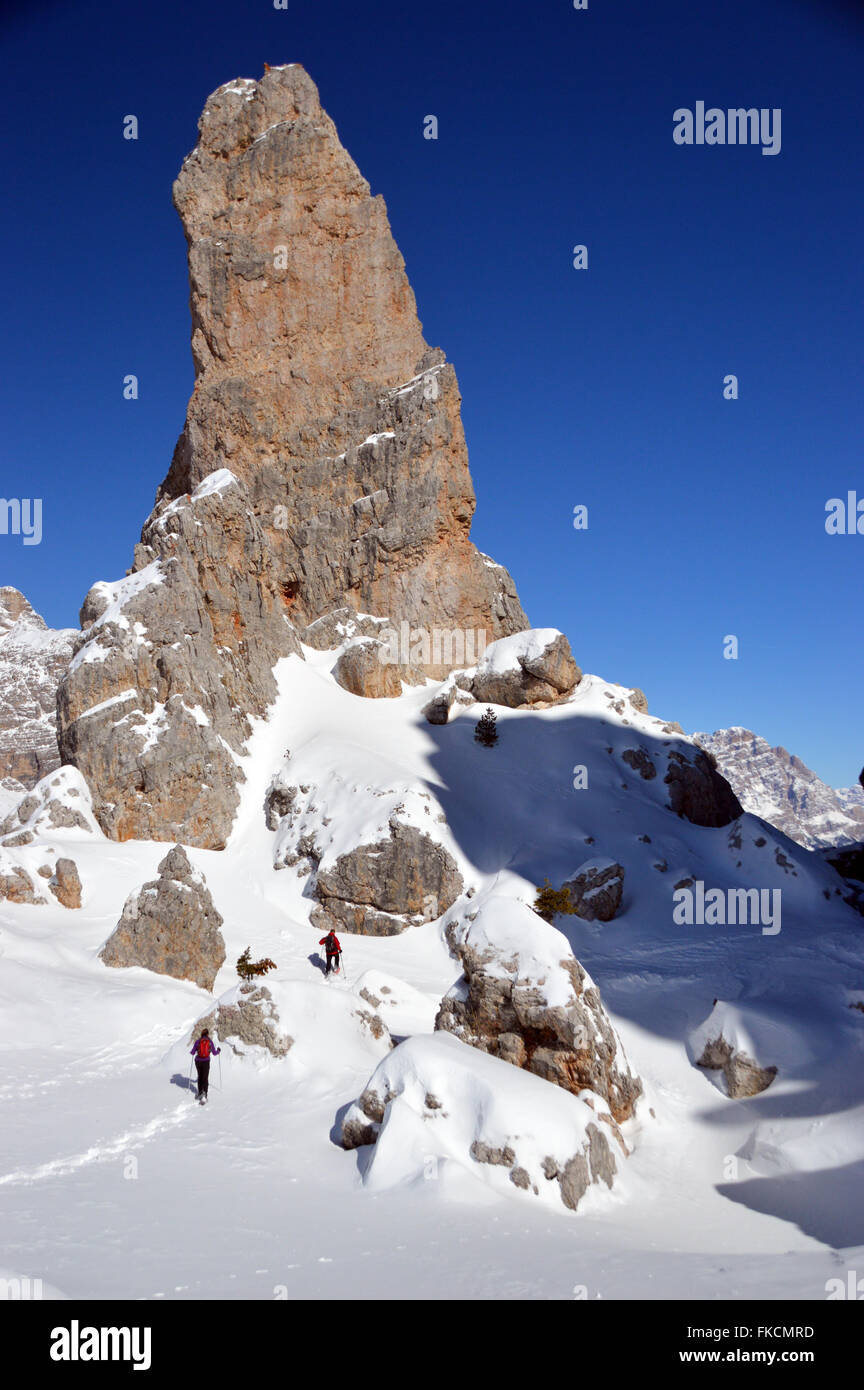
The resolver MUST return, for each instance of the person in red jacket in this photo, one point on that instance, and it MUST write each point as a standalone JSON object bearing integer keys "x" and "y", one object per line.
{"x": 202, "y": 1052}
{"x": 330, "y": 942}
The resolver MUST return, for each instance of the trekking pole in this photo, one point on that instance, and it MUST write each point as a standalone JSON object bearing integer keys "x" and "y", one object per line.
{"x": 220, "y": 1069}
{"x": 342, "y": 963}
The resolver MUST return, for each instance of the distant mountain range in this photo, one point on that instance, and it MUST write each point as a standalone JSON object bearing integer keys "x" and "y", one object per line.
{"x": 779, "y": 787}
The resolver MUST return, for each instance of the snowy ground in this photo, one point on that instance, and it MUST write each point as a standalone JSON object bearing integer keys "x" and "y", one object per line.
{"x": 114, "y": 1183}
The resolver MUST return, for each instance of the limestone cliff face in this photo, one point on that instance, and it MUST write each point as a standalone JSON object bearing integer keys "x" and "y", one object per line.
{"x": 33, "y": 658}
{"x": 323, "y": 466}
{"x": 314, "y": 384}
{"x": 173, "y": 660}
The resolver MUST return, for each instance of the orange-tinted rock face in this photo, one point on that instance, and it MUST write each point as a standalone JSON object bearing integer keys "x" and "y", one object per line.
{"x": 323, "y": 467}
{"x": 314, "y": 384}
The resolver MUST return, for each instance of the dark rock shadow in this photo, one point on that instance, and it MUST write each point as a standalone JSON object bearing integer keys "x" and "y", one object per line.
{"x": 336, "y": 1127}
{"x": 363, "y": 1155}
{"x": 825, "y": 1204}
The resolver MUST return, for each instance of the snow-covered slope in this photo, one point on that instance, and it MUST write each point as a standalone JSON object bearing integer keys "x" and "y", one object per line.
{"x": 113, "y": 1182}
{"x": 780, "y": 788}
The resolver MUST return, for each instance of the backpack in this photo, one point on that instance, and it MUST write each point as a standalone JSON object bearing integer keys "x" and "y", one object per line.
{"x": 205, "y": 1047}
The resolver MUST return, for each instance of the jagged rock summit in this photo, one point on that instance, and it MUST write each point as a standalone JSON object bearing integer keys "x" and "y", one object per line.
{"x": 323, "y": 467}
{"x": 314, "y": 383}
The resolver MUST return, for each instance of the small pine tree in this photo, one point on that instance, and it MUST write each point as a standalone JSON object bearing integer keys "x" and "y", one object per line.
{"x": 248, "y": 969}
{"x": 486, "y": 730}
{"x": 550, "y": 901}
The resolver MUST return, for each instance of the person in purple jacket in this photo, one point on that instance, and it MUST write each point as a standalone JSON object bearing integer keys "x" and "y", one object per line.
{"x": 202, "y": 1051}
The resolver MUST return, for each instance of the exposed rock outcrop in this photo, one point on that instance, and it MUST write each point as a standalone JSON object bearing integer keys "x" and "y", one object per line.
{"x": 247, "y": 1017}
{"x": 730, "y": 1041}
{"x": 170, "y": 926}
{"x": 65, "y": 883}
{"x": 697, "y": 791}
{"x": 596, "y": 889}
{"x": 525, "y": 998}
{"x": 33, "y": 658}
{"x": 743, "y": 1076}
{"x": 174, "y": 659}
{"x": 16, "y": 884}
{"x": 641, "y": 762}
{"x": 379, "y": 889}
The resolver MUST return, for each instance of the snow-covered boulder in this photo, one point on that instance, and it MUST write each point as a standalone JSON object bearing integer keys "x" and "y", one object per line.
{"x": 403, "y": 1009}
{"x": 363, "y": 668}
{"x": 170, "y": 926}
{"x": 300, "y": 1023}
{"x": 437, "y": 710}
{"x": 525, "y": 998}
{"x": 433, "y": 1102}
{"x": 27, "y": 876}
{"x": 736, "y": 1043}
{"x": 529, "y": 668}
{"x": 245, "y": 1017}
{"x": 375, "y": 855}
{"x": 58, "y": 806}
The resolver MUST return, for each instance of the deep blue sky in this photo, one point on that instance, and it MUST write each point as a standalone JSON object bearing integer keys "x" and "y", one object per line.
{"x": 601, "y": 387}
